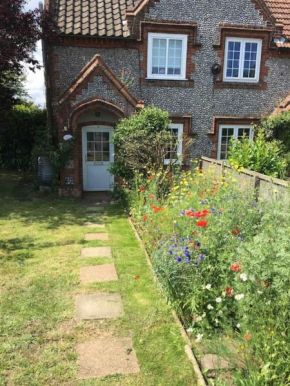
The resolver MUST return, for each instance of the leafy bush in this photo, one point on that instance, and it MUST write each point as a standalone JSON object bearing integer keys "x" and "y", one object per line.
{"x": 261, "y": 155}
{"x": 19, "y": 134}
{"x": 223, "y": 261}
{"x": 279, "y": 127}
{"x": 141, "y": 143}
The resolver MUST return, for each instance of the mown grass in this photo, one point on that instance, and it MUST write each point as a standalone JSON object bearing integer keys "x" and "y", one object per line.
{"x": 40, "y": 243}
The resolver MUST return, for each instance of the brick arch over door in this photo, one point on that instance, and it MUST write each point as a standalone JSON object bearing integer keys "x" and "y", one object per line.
{"x": 76, "y": 128}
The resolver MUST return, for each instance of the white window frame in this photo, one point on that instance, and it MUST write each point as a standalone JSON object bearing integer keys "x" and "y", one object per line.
{"x": 182, "y": 75}
{"x": 178, "y": 161}
{"x": 236, "y": 130}
{"x": 243, "y": 42}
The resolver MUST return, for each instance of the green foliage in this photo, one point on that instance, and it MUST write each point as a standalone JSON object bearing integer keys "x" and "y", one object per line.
{"x": 19, "y": 134}
{"x": 141, "y": 142}
{"x": 261, "y": 155}
{"x": 279, "y": 127}
{"x": 223, "y": 260}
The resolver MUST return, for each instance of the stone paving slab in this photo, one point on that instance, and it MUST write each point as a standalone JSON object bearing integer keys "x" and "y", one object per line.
{"x": 97, "y": 236}
{"x": 108, "y": 356}
{"x": 98, "y": 273}
{"x": 89, "y": 224}
{"x": 96, "y": 252}
{"x": 95, "y": 208}
{"x": 99, "y": 306}
{"x": 211, "y": 362}
{"x": 92, "y": 215}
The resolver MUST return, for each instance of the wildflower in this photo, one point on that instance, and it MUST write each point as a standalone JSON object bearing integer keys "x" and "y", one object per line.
{"x": 209, "y": 307}
{"x": 198, "y": 319}
{"x": 202, "y": 213}
{"x": 208, "y": 287}
{"x": 239, "y": 297}
{"x": 219, "y": 300}
{"x": 202, "y": 257}
{"x": 229, "y": 291}
{"x": 199, "y": 338}
{"x": 243, "y": 277}
{"x": 216, "y": 321}
{"x": 202, "y": 223}
{"x": 238, "y": 325}
{"x": 189, "y": 330}
{"x": 179, "y": 259}
{"x": 260, "y": 292}
{"x": 240, "y": 238}
{"x": 248, "y": 337}
{"x": 136, "y": 277}
{"x": 142, "y": 189}
{"x": 170, "y": 252}
{"x": 145, "y": 217}
{"x": 236, "y": 231}
{"x": 152, "y": 196}
{"x": 236, "y": 267}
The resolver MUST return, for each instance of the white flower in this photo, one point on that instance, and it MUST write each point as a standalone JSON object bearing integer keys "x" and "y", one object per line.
{"x": 218, "y": 300}
{"x": 198, "y": 319}
{"x": 208, "y": 286}
{"x": 238, "y": 325}
{"x": 268, "y": 302}
{"x": 209, "y": 307}
{"x": 216, "y": 321}
{"x": 190, "y": 330}
{"x": 199, "y": 338}
{"x": 243, "y": 277}
{"x": 239, "y": 296}
{"x": 260, "y": 292}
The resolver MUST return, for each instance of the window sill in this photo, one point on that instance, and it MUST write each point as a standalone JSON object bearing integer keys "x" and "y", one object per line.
{"x": 184, "y": 83}
{"x": 239, "y": 85}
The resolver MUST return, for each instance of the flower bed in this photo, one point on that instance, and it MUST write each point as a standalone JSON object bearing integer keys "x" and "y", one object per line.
{"x": 223, "y": 261}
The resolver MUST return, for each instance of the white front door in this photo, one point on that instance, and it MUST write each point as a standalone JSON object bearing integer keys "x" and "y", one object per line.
{"x": 98, "y": 154}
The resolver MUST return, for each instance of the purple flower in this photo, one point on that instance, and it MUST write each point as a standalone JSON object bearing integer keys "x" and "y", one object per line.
{"x": 240, "y": 238}
{"x": 254, "y": 204}
{"x": 198, "y": 244}
{"x": 202, "y": 257}
{"x": 182, "y": 239}
{"x": 182, "y": 212}
{"x": 175, "y": 245}
{"x": 204, "y": 202}
{"x": 196, "y": 263}
{"x": 170, "y": 252}
{"x": 179, "y": 259}
{"x": 188, "y": 261}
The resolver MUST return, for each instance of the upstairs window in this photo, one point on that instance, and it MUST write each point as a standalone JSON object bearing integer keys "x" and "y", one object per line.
{"x": 166, "y": 56}
{"x": 174, "y": 150}
{"x": 242, "y": 60}
{"x": 226, "y": 132}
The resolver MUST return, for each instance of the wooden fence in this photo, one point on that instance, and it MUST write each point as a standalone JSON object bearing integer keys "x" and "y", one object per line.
{"x": 267, "y": 187}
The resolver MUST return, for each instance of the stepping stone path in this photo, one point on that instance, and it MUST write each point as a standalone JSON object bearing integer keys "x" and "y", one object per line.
{"x": 98, "y": 273}
{"x": 97, "y": 236}
{"x": 94, "y": 225}
{"x": 96, "y": 252}
{"x": 103, "y": 356}
{"x": 99, "y": 306}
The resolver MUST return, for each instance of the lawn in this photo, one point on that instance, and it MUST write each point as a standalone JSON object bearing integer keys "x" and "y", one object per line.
{"x": 41, "y": 240}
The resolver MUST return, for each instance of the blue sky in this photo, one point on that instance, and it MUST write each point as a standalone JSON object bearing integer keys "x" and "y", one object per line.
{"x": 35, "y": 81}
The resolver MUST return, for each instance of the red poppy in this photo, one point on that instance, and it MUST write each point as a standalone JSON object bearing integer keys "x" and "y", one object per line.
{"x": 202, "y": 213}
{"x": 248, "y": 337}
{"x": 145, "y": 217}
{"x": 236, "y": 231}
{"x": 136, "y": 277}
{"x": 229, "y": 291}
{"x": 142, "y": 189}
{"x": 202, "y": 223}
{"x": 189, "y": 213}
{"x": 236, "y": 267}
{"x": 152, "y": 196}
{"x": 156, "y": 209}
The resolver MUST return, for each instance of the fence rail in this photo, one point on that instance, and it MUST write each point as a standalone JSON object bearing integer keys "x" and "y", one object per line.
{"x": 267, "y": 187}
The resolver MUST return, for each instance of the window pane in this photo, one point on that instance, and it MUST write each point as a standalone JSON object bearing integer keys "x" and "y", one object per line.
{"x": 173, "y": 145}
{"x": 106, "y": 146}
{"x": 226, "y": 135}
{"x": 250, "y": 60}
{"x": 90, "y": 157}
{"x": 159, "y": 56}
{"x": 90, "y": 146}
{"x": 98, "y": 156}
{"x": 106, "y": 136}
{"x": 174, "y": 57}
{"x": 233, "y": 59}
{"x": 98, "y": 137}
{"x": 106, "y": 156}
{"x": 243, "y": 132}
{"x": 90, "y": 136}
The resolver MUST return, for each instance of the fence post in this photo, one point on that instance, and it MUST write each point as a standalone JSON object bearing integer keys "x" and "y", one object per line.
{"x": 200, "y": 164}
{"x": 223, "y": 168}
{"x": 257, "y": 181}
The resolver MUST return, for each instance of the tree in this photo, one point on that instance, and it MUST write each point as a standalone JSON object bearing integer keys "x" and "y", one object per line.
{"x": 19, "y": 33}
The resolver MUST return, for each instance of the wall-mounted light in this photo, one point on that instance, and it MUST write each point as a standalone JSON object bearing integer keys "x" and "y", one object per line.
{"x": 67, "y": 137}
{"x": 280, "y": 40}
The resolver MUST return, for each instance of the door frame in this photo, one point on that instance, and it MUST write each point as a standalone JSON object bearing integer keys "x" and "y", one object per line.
{"x": 96, "y": 128}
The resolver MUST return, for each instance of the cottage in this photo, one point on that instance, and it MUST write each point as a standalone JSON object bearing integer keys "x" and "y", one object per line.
{"x": 216, "y": 65}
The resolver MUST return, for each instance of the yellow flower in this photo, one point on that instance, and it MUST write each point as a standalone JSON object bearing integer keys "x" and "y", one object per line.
{"x": 275, "y": 191}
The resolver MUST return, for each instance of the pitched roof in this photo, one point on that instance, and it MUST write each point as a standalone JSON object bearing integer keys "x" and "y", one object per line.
{"x": 93, "y": 17}
{"x": 281, "y": 11}
{"x": 109, "y": 17}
